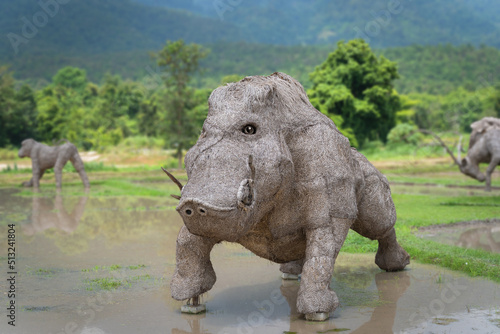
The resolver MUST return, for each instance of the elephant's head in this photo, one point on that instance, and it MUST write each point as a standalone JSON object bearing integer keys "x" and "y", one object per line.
{"x": 26, "y": 146}
{"x": 241, "y": 167}
{"x": 471, "y": 169}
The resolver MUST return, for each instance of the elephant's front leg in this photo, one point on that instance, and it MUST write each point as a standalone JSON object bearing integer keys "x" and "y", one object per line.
{"x": 58, "y": 167}
{"x": 35, "y": 180}
{"x": 28, "y": 184}
{"x": 315, "y": 299}
{"x": 194, "y": 274}
{"x": 491, "y": 167}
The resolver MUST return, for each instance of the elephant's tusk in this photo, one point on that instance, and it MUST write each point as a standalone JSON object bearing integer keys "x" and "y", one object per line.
{"x": 173, "y": 178}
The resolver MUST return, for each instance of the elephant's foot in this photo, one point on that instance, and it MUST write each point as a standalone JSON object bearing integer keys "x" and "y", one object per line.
{"x": 27, "y": 184}
{"x": 318, "y": 304}
{"x": 193, "y": 306}
{"x": 390, "y": 255}
{"x": 291, "y": 270}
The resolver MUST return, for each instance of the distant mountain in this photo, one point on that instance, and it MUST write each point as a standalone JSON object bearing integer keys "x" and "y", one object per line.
{"x": 384, "y": 24}
{"x": 248, "y": 36}
{"x": 101, "y": 26}
{"x": 98, "y": 26}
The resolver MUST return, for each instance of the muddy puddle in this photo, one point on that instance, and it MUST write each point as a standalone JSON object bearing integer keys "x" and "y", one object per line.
{"x": 474, "y": 234}
{"x": 100, "y": 265}
{"x": 441, "y": 189}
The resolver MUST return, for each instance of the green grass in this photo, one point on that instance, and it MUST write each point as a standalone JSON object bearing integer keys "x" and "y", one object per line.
{"x": 40, "y": 272}
{"x": 8, "y": 154}
{"x": 422, "y": 210}
{"x": 376, "y": 151}
{"x": 469, "y": 204}
{"x": 106, "y": 283}
{"x": 111, "y": 283}
{"x": 455, "y": 180}
{"x": 440, "y": 279}
{"x": 15, "y": 170}
{"x": 115, "y": 185}
{"x": 90, "y": 167}
{"x": 112, "y": 268}
{"x": 137, "y": 266}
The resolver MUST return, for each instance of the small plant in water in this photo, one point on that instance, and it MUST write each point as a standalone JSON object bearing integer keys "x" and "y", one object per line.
{"x": 105, "y": 283}
{"x": 440, "y": 279}
{"x": 137, "y": 266}
{"x": 96, "y": 268}
{"x": 40, "y": 271}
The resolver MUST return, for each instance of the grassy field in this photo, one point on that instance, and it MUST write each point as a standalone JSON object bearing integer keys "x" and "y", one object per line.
{"x": 432, "y": 170}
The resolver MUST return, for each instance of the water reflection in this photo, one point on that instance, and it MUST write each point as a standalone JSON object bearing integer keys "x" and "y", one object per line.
{"x": 389, "y": 288}
{"x": 71, "y": 223}
{"x": 47, "y": 213}
{"x": 481, "y": 238}
{"x": 194, "y": 323}
{"x": 477, "y": 235}
{"x": 249, "y": 296}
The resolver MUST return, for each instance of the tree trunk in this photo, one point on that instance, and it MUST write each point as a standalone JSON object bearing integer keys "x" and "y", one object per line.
{"x": 179, "y": 158}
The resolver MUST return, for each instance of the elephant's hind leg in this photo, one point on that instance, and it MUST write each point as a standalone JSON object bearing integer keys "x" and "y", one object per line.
{"x": 376, "y": 219}
{"x": 390, "y": 255}
{"x": 80, "y": 168}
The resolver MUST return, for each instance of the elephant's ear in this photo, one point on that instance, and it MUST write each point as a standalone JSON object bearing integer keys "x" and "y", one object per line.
{"x": 326, "y": 174}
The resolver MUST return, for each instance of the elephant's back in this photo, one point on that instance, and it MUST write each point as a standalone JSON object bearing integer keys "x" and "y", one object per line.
{"x": 492, "y": 139}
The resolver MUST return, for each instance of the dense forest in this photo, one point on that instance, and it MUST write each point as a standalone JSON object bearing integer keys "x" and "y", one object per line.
{"x": 424, "y": 69}
{"x": 96, "y": 115}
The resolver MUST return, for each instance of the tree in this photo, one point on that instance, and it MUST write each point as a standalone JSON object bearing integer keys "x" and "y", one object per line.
{"x": 7, "y": 93}
{"x": 179, "y": 62}
{"x": 355, "y": 89}
{"x": 231, "y": 78}
{"x": 496, "y": 101}
{"x": 17, "y": 111}
{"x": 71, "y": 77}
{"x": 404, "y": 133}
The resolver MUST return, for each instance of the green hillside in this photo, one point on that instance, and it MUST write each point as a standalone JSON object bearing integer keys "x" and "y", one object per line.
{"x": 384, "y": 23}
{"x": 93, "y": 26}
{"x": 254, "y": 37}
{"x": 431, "y": 69}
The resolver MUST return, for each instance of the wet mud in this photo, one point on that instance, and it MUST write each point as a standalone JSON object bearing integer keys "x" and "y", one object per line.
{"x": 103, "y": 265}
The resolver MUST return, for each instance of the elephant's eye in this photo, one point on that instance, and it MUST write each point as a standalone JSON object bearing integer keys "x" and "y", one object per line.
{"x": 249, "y": 129}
